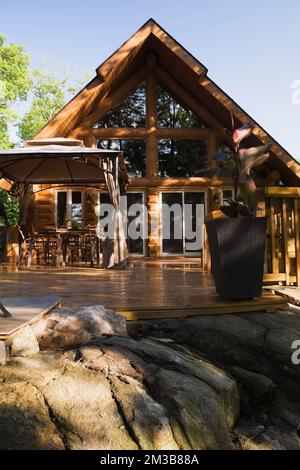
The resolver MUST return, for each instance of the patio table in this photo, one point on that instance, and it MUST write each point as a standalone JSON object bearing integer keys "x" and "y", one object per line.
{"x": 68, "y": 246}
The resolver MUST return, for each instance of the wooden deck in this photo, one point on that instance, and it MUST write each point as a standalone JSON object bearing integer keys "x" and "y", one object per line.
{"x": 164, "y": 289}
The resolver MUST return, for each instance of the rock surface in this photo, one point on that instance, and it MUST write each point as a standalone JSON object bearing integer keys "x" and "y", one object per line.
{"x": 117, "y": 393}
{"x": 255, "y": 349}
{"x": 2, "y": 353}
{"x": 24, "y": 343}
{"x": 63, "y": 328}
{"x": 211, "y": 382}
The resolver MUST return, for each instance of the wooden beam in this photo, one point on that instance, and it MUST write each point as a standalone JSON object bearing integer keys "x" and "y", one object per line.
{"x": 110, "y": 101}
{"x": 108, "y": 74}
{"x": 176, "y": 184}
{"x": 285, "y": 241}
{"x": 189, "y": 133}
{"x": 151, "y": 116}
{"x": 90, "y": 141}
{"x": 129, "y": 48}
{"x": 212, "y": 147}
{"x": 120, "y": 133}
{"x": 179, "y": 51}
{"x": 282, "y": 191}
{"x": 144, "y": 133}
{"x": 111, "y": 73}
{"x": 297, "y": 239}
{"x": 274, "y": 255}
{"x": 185, "y": 98}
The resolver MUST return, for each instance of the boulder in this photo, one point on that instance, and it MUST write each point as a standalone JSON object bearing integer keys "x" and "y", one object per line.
{"x": 188, "y": 364}
{"x": 178, "y": 388}
{"x": 25, "y": 422}
{"x": 63, "y": 328}
{"x": 258, "y": 386}
{"x": 115, "y": 394}
{"x": 2, "y": 353}
{"x": 23, "y": 343}
{"x": 258, "y": 342}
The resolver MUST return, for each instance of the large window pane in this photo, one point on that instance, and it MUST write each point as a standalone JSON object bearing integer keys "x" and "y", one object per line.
{"x": 76, "y": 209}
{"x": 69, "y": 209}
{"x": 130, "y": 113}
{"x": 172, "y": 223}
{"x": 134, "y": 152}
{"x": 227, "y": 195}
{"x": 172, "y": 114}
{"x": 61, "y": 208}
{"x": 181, "y": 158}
{"x": 135, "y": 245}
{"x": 193, "y": 221}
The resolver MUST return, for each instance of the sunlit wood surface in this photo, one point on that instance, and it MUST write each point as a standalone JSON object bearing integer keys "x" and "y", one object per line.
{"x": 154, "y": 289}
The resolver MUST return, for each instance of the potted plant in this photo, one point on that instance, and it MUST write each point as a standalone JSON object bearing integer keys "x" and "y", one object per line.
{"x": 237, "y": 242}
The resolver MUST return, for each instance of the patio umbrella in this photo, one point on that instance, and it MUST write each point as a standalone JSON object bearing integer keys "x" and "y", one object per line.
{"x": 68, "y": 161}
{"x": 59, "y": 161}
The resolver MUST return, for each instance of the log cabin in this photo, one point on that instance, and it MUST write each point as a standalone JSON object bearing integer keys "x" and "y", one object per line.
{"x": 155, "y": 102}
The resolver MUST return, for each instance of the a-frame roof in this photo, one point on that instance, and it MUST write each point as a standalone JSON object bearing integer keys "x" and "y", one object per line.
{"x": 176, "y": 64}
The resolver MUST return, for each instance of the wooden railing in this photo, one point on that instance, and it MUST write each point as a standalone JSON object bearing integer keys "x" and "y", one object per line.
{"x": 282, "y": 207}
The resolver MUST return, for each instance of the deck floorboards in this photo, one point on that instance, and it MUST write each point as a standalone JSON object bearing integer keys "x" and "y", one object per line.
{"x": 147, "y": 290}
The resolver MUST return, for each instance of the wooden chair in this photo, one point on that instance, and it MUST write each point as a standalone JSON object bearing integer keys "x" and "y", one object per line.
{"x": 30, "y": 243}
{"x": 26, "y": 244}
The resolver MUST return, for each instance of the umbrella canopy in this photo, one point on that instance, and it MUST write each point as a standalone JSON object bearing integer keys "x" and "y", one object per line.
{"x": 59, "y": 161}
{"x": 68, "y": 161}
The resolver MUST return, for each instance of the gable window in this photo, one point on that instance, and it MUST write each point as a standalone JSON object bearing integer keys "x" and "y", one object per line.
{"x": 179, "y": 158}
{"x": 69, "y": 209}
{"x": 134, "y": 151}
{"x": 171, "y": 114}
{"x": 130, "y": 113}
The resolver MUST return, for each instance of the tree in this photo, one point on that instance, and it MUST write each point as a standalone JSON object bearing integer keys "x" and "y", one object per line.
{"x": 49, "y": 96}
{"x": 15, "y": 84}
{"x": 9, "y": 209}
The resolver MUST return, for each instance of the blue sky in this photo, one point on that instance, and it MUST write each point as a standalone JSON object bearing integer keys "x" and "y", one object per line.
{"x": 251, "y": 49}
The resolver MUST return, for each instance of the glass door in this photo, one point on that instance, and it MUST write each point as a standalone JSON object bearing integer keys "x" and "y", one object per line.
{"x": 135, "y": 220}
{"x": 182, "y": 219}
{"x": 194, "y": 208}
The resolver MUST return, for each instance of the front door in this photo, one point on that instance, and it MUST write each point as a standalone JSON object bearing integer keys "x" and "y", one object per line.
{"x": 182, "y": 219}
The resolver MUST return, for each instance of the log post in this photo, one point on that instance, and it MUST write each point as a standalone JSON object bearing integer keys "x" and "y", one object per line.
{"x": 153, "y": 245}
{"x": 151, "y": 117}
{"x": 297, "y": 239}
{"x": 90, "y": 141}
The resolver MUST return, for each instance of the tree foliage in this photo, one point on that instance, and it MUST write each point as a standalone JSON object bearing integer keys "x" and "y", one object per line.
{"x": 49, "y": 95}
{"x": 11, "y": 206}
{"x": 15, "y": 84}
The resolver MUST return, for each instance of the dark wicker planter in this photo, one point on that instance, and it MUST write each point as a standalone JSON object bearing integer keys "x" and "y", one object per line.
{"x": 237, "y": 248}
